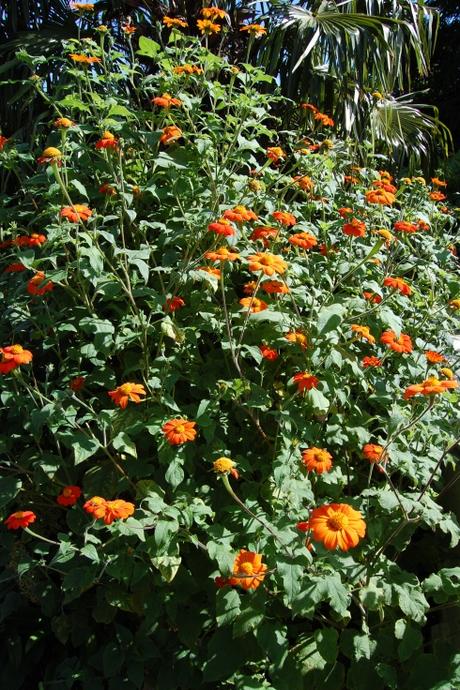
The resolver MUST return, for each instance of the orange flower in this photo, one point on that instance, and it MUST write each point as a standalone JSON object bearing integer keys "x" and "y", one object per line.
{"x": 325, "y": 120}
{"x": 308, "y": 106}
{"x": 84, "y": 59}
{"x": 76, "y": 213}
{"x": 304, "y": 240}
{"x": 371, "y": 362}
{"x": 69, "y": 496}
{"x": 253, "y": 304}
{"x": 438, "y": 183}
{"x": 13, "y": 356}
{"x": 178, "y": 431}
{"x": 206, "y": 26}
{"x": 448, "y": 373}
{"x": 385, "y": 184}
{"x": 248, "y": 570}
{"x": 166, "y": 101}
{"x": 3, "y": 142}
{"x": 224, "y": 465}
{"x": 222, "y": 254}
{"x": 275, "y": 153}
{"x": 317, "y": 460}
{"x": 172, "y": 304}
{"x": 77, "y": 384}
{"x": 437, "y": 196}
{"x": 174, "y": 23}
{"x": 128, "y": 28}
{"x": 222, "y": 227}
{"x": 268, "y": 352}
{"x": 171, "y": 133}
{"x": 431, "y": 386}
{"x": 274, "y": 287}
{"x": 398, "y": 284}
{"x": 305, "y": 381}
{"x": 240, "y": 214}
{"x": 107, "y": 189}
{"x": 372, "y": 297}
{"x": 380, "y": 196}
{"x": 350, "y": 179}
{"x": 213, "y": 13}
{"x": 267, "y": 263}
{"x": 127, "y": 391}
{"x": 254, "y": 30}
{"x": 214, "y": 272}
{"x": 372, "y": 452}
{"x": 386, "y": 234}
{"x": 15, "y": 268}
{"x": 284, "y": 218}
{"x": 22, "y": 518}
{"x": 298, "y": 338}
{"x": 101, "y": 509}
{"x": 264, "y": 233}
{"x": 355, "y": 227}
{"x": 455, "y": 303}
{"x": 107, "y": 141}
{"x": 63, "y": 123}
{"x": 304, "y": 182}
{"x": 434, "y": 357}
{"x": 363, "y": 332}
{"x": 33, "y": 240}
{"x": 250, "y": 287}
{"x": 82, "y": 6}
{"x": 38, "y": 285}
{"x": 50, "y": 155}
{"x": 345, "y": 211}
{"x": 405, "y": 226}
{"x": 187, "y": 69}
{"x": 337, "y": 525}
{"x": 401, "y": 344}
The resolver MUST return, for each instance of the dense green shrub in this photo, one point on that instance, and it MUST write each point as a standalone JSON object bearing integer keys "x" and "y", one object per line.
{"x": 120, "y": 296}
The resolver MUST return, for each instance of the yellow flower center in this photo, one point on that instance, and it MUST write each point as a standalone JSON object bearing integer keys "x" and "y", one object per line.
{"x": 337, "y": 521}
{"x": 246, "y": 568}
{"x": 52, "y": 152}
{"x": 126, "y": 388}
{"x": 180, "y": 428}
{"x": 223, "y": 465}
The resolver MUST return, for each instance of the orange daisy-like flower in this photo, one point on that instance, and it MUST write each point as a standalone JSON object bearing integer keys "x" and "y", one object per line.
{"x": 284, "y": 218}
{"x": 401, "y": 344}
{"x": 387, "y": 236}
{"x": 213, "y": 272}
{"x": 69, "y": 496}
{"x": 108, "y": 511}
{"x": 372, "y": 452}
{"x": 107, "y": 189}
{"x": 171, "y": 133}
{"x": 434, "y": 357}
{"x": 380, "y": 196}
{"x": 264, "y": 233}
{"x": 128, "y": 28}
{"x": 269, "y": 264}
{"x": 213, "y": 13}
{"x": 398, "y": 284}
{"x": 248, "y": 570}
{"x": 38, "y": 285}
{"x": 178, "y": 431}
{"x": 223, "y": 466}
{"x": 15, "y": 268}
{"x": 298, "y": 338}
{"x": 33, "y": 240}
{"x": 166, "y": 101}
{"x": 187, "y": 69}
{"x": 253, "y": 304}
{"x": 305, "y": 240}
{"x": 50, "y": 155}
{"x": 172, "y": 304}
{"x": 317, "y": 460}
{"x": 350, "y": 179}
{"x": 437, "y": 196}
{"x": 371, "y": 362}
{"x": 22, "y": 518}
{"x": 455, "y": 303}
{"x": 438, "y": 183}
{"x": 84, "y": 59}
{"x": 174, "y": 23}
{"x": 222, "y": 227}
{"x": 308, "y": 106}
{"x": 325, "y": 120}
{"x": 405, "y": 226}
{"x": 3, "y": 142}
{"x": 363, "y": 332}
{"x": 63, "y": 123}
{"x": 345, "y": 211}
{"x": 240, "y": 214}
{"x": 76, "y": 213}
{"x": 274, "y": 287}
{"x": 82, "y": 6}
{"x": 385, "y": 185}
{"x": 431, "y": 386}
{"x": 275, "y": 153}
{"x": 107, "y": 141}
{"x": 304, "y": 182}
{"x": 12, "y": 356}
{"x": 250, "y": 287}
{"x": 337, "y": 525}
{"x": 77, "y": 384}
{"x": 355, "y": 228}
{"x": 207, "y": 27}
{"x": 126, "y": 392}
{"x": 222, "y": 254}
{"x": 268, "y": 353}
{"x": 372, "y": 297}
{"x": 254, "y": 30}
{"x": 305, "y": 381}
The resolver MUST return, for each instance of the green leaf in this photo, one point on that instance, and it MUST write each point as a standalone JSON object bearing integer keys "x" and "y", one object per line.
{"x": 147, "y": 47}
{"x": 329, "y": 318}
{"x": 124, "y": 444}
{"x": 227, "y": 606}
{"x": 410, "y": 636}
{"x": 9, "y": 489}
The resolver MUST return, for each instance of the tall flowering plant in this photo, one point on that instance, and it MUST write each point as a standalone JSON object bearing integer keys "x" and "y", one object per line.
{"x": 228, "y": 389}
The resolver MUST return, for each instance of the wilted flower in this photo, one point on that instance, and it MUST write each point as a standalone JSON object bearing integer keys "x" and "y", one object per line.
{"x": 363, "y": 332}
{"x": 171, "y": 133}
